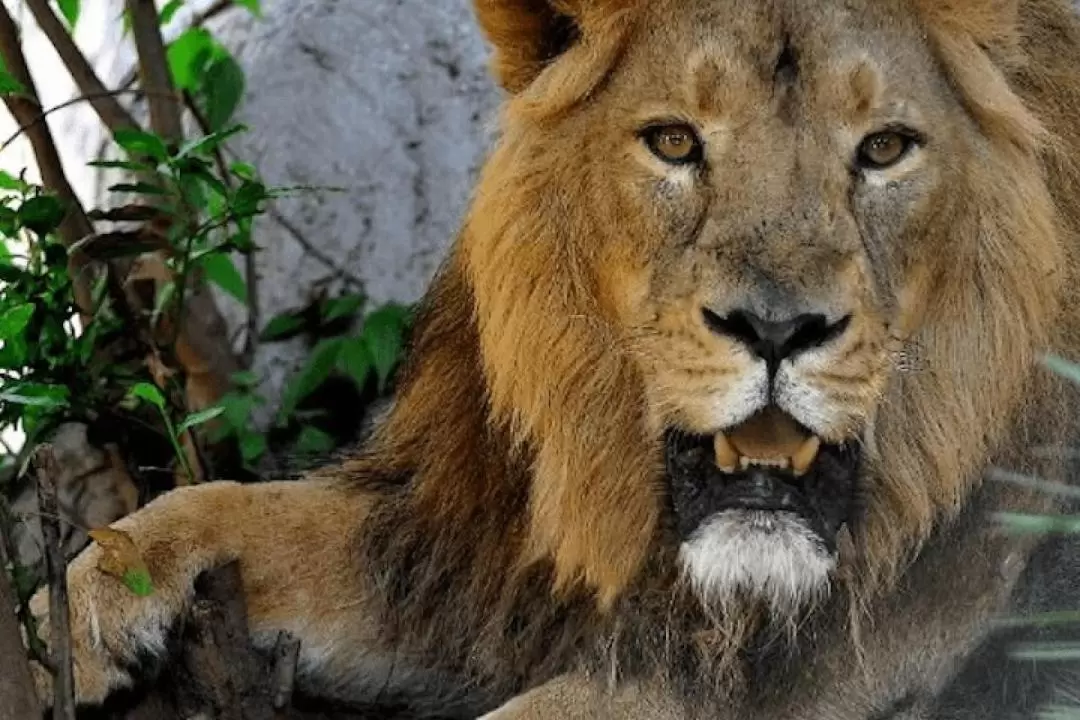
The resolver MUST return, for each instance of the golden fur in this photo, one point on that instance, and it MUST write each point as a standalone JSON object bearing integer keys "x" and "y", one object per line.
{"x": 509, "y": 515}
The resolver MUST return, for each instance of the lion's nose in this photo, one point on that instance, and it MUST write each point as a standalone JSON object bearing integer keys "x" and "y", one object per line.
{"x": 773, "y": 340}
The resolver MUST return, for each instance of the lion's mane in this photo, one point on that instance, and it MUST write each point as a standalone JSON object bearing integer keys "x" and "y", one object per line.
{"x": 522, "y": 513}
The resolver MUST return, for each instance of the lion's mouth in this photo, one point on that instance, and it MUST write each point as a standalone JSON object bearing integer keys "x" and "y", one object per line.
{"x": 768, "y": 463}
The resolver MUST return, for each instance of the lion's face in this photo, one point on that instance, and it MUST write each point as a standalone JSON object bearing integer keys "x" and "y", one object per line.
{"x": 758, "y": 199}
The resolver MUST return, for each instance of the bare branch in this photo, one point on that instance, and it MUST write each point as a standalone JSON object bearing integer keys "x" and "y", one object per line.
{"x": 165, "y": 102}
{"x": 47, "y": 471}
{"x": 25, "y": 108}
{"x": 112, "y": 114}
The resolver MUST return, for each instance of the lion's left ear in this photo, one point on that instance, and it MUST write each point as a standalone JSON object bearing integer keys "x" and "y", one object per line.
{"x": 980, "y": 42}
{"x": 528, "y": 34}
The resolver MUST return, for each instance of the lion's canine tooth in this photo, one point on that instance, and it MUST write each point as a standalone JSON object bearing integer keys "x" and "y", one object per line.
{"x": 727, "y": 459}
{"x": 804, "y": 456}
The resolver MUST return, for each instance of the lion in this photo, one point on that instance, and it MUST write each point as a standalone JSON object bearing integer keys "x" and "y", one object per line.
{"x": 698, "y": 414}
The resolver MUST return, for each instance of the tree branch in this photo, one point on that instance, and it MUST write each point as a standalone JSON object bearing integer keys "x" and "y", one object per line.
{"x": 112, "y": 114}
{"x": 47, "y": 472}
{"x": 17, "y": 693}
{"x": 25, "y": 108}
{"x": 165, "y": 102}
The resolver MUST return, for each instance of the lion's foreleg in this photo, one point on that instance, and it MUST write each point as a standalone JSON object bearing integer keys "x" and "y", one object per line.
{"x": 295, "y": 545}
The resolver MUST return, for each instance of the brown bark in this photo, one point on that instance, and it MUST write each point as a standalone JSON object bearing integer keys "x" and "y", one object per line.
{"x": 17, "y": 694}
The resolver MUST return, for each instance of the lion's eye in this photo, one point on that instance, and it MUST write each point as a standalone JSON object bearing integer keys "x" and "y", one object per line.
{"x": 676, "y": 144}
{"x": 882, "y": 149}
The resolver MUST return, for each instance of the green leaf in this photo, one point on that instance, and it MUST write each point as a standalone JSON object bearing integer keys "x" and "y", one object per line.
{"x": 138, "y": 142}
{"x": 8, "y": 84}
{"x": 39, "y": 395}
{"x": 282, "y": 327}
{"x": 132, "y": 165}
{"x": 10, "y": 182}
{"x": 341, "y": 307}
{"x": 220, "y": 270}
{"x": 245, "y": 378}
{"x": 168, "y": 10}
{"x": 313, "y": 441}
{"x": 236, "y": 408}
{"x": 42, "y": 214}
{"x": 70, "y": 10}
{"x": 140, "y": 187}
{"x": 207, "y": 144}
{"x": 252, "y": 446}
{"x": 248, "y": 196}
{"x": 223, "y": 86}
{"x": 198, "y": 418}
{"x": 355, "y": 361}
{"x": 138, "y": 581}
{"x": 14, "y": 320}
{"x": 164, "y": 296}
{"x": 316, "y": 370}
{"x": 1063, "y": 367}
{"x": 1039, "y": 524}
{"x": 149, "y": 393}
{"x": 382, "y": 332}
{"x": 187, "y": 55}
{"x": 255, "y": 6}
{"x": 243, "y": 170}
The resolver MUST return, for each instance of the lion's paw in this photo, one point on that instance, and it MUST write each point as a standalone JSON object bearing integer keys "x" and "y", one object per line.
{"x": 113, "y": 630}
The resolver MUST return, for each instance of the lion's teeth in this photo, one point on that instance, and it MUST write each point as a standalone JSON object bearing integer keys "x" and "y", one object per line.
{"x": 747, "y": 462}
{"x": 804, "y": 456}
{"x": 766, "y": 462}
{"x": 727, "y": 459}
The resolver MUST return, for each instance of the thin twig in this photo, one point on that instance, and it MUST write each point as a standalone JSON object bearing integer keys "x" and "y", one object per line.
{"x": 47, "y": 471}
{"x": 68, "y": 103}
{"x": 111, "y": 112}
{"x": 211, "y": 12}
{"x": 165, "y": 117}
{"x": 25, "y": 107}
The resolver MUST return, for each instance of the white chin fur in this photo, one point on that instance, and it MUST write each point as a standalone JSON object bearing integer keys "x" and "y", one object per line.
{"x": 770, "y": 555}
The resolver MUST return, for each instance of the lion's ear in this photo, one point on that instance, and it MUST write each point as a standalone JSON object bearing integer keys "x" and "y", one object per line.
{"x": 529, "y": 34}
{"x": 980, "y": 43}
